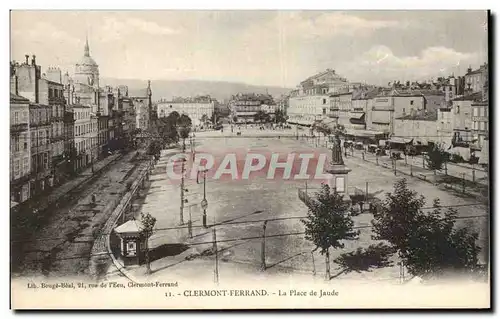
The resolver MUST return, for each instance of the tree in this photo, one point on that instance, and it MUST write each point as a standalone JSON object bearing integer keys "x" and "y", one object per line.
{"x": 437, "y": 247}
{"x": 394, "y": 220}
{"x": 261, "y": 116}
{"x": 328, "y": 223}
{"x": 148, "y": 225}
{"x": 428, "y": 243}
{"x": 204, "y": 118}
{"x": 280, "y": 116}
{"x": 183, "y": 128}
{"x": 436, "y": 158}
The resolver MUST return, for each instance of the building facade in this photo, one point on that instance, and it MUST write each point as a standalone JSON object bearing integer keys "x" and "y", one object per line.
{"x": 244, "y": 107}
{"x": 143, "y": 106}
{"x": 310, "y": 102}
{"x": 480, "y": 125}
{"x": 340, "y": 108}
{"x": 420, "y": 127}
{"x": 85, "y": 132}
{"x": 40, "y": 148}
{"x": 462, "y": 119}
{"x": 20, "y": 151}
{"x": 475, "y": 79}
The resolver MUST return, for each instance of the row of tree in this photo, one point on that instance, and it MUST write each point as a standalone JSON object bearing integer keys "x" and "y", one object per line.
{"x": 264, "y": 117}
{"x": 169, "y": 130}
{"x": 428, "y": 243}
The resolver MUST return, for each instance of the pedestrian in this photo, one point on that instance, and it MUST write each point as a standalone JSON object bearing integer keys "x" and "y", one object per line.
{"x": 93, "y": 199}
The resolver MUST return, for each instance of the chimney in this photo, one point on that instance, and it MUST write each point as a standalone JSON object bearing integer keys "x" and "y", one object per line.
{"x": 33, "y": 60}
{"x": 469, "y": 70}
{"x": 27, "y": 58}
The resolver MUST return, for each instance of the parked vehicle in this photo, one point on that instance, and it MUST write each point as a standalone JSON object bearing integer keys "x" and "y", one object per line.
{"x": 359, "y": 146}
{"x": 381, "y": 151}
{"x": 348, "y": 144}
{"x": 372, "y": 148}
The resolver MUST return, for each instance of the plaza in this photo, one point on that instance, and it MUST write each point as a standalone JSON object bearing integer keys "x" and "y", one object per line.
{"x": 238, "y": 210}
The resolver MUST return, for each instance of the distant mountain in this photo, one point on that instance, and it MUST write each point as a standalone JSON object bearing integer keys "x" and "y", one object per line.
{"x": 167, "y": 88}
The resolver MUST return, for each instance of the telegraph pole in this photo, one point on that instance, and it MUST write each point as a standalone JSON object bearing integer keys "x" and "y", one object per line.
{"x": 263, "y": 249}
{"x": 411, "y": 166}
{"x": 182, "y": 194}
{"x": 204, "y": 202}
{"x": 216, "y": 272}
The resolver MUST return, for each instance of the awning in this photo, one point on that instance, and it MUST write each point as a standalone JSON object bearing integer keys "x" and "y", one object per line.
{"x": 363, "y": 133}
{"x": 325, "y": 122}
{"x": 400, "y": 140}
{"x": 357, "y": 116}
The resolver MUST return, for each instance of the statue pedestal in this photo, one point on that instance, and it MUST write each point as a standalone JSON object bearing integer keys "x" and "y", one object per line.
{"x": 338, "y": 180}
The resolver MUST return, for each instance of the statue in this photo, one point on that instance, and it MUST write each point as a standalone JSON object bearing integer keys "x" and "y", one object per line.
{"x": 337, "y": 152}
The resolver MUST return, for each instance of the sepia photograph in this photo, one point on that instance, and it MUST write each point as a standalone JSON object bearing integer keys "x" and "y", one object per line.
{"x": 249, "y": 159}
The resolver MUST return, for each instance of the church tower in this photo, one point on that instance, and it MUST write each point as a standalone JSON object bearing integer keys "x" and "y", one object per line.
{"x": 87, "y": 70}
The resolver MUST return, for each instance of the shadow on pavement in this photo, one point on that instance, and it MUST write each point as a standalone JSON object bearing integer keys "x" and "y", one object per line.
{"x": 166, "y": 250}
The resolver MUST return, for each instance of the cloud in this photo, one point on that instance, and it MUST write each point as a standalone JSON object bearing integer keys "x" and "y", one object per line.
{"x": 40, "y": 30}
{"x": 118, "y": 28}
{"x": 333, "y": 24}
{"x": 151, "y": 27}
{"x": 381, "y": 63}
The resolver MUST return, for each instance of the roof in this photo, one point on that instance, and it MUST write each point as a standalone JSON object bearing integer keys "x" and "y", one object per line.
{"x": 18, "y": 98}
{"x": 87, "y": 60}
{"x": 339, "y": 94}
{"x": 365, "y": 95}
{"x": 132, "y": 226}
{"x": 430, "y": 116}
{"x": 411, "y": 92}
{"x": 52, "y": 82}
{"x": 476, "y": 96}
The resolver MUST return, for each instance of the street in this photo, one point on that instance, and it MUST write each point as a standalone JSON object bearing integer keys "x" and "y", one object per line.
{"x": 62, "y": 246}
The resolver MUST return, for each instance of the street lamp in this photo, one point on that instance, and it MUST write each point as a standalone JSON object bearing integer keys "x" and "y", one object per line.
{"x": 204, "y": 202}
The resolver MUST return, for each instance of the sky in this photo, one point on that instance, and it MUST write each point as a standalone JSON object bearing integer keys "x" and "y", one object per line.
{"x": 278, "y": 48}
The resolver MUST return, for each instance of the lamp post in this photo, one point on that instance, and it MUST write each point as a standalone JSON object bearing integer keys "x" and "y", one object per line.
{"x": 204, "y": 202}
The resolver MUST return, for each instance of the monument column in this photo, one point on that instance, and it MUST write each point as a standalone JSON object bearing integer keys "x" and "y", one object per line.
{"x": 338, "y": 171}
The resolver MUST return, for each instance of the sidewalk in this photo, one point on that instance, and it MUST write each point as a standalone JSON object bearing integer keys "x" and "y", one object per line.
{"x": 62, "y": 190}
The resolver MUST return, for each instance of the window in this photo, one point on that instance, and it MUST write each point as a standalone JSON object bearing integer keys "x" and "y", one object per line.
{"x": 457, "y": 110}
{"x": 475, "y": 125}
{"x": 45, "y": 160}
{"x": 324, "y": 101}
{"x": 16, "y": 117}
{"x": 481, "y": 111}
{"x": 411, "y": 102}
{"x": 50, "y": 93}
{"x": 26, "y": 167}
{"x": 475, "y": 111}
{"x": 482, "y": 126}
{"x": 17, "y": 167}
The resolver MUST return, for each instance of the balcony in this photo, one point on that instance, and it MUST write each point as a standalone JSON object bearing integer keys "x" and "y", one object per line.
{"x": 40, "y": 148}
{"x": 20, "y": 127}
{"x": 58, "y": 138}
{"x": 40, "y": 123}
{"x": 57, "y": 100}
{"x": 56, "y": 118}
{"x": 21, "y": 180}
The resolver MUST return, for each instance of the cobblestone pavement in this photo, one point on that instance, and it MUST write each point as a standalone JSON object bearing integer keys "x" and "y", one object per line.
{"x": 62, "y": 247}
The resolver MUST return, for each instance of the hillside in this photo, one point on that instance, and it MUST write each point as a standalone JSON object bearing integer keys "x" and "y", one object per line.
{"x": 167, "y": 88}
